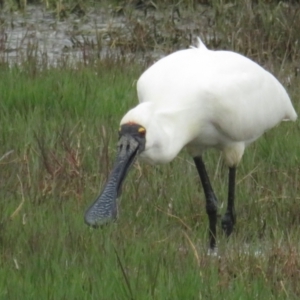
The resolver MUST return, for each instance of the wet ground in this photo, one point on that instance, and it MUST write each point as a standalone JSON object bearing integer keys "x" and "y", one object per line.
{"x": 41, "y": 33}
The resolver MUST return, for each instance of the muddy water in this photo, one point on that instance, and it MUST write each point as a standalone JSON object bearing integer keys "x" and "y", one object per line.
{"x": 38, "y": 32}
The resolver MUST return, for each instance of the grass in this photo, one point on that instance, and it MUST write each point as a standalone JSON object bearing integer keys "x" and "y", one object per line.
{"x": 58, "y": 134}
{"x": 61, "y": 125}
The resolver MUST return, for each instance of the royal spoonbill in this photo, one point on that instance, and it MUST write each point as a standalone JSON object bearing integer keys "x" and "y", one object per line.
{"x": 198, "y": 99}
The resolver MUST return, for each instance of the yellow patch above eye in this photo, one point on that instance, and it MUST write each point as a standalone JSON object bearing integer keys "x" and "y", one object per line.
{"x": 141, "y": 130}
{"x": 119, "y": 128}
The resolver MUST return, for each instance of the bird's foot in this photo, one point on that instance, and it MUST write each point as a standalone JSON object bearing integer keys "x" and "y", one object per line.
{"x": 213, "y": 252}
{"x": 228, "y": 221}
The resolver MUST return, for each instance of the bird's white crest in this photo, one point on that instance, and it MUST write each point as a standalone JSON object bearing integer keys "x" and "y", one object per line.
{"x": 200, "y": 45}
{"x": 203, "y": 99}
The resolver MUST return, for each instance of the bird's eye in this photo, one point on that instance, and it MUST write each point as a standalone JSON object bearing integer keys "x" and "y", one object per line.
{"x": 142, "y": 131}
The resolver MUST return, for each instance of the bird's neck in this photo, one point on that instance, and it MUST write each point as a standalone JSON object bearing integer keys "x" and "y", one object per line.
{"x": 167, "y": 135}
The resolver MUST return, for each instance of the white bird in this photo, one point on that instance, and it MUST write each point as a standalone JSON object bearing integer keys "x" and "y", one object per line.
{"x": 198, "y": 99}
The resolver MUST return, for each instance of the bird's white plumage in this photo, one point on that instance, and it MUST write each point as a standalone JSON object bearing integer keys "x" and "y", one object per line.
{"x": 201, "y": 98}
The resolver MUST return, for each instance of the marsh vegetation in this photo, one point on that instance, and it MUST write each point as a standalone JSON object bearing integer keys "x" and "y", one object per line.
{"x": 58, "y": 132}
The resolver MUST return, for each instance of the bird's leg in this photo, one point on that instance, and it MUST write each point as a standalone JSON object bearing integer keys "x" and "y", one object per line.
{"x": 229, "y": 218}
{"x": 211, "y": 201}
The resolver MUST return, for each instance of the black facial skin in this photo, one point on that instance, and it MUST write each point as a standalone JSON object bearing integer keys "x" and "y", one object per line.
{"x": 131, "y": 142}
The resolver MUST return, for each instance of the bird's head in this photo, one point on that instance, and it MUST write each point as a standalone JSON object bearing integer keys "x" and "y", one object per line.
{"x": 132, "y": 141}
